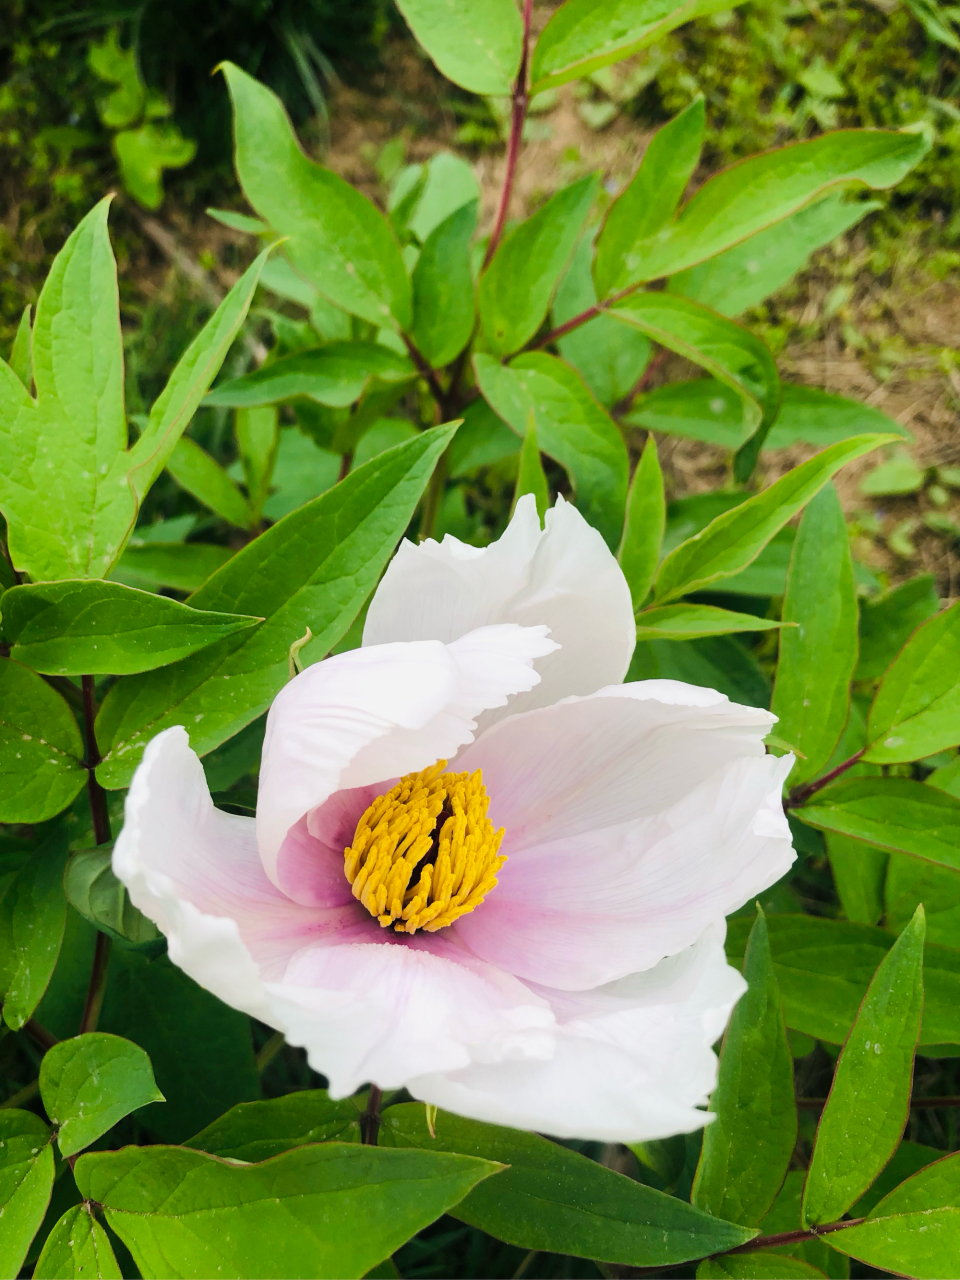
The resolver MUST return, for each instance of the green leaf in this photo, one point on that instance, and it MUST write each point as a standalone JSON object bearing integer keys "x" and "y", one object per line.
{"x": 77, "y": 1247}
{"x": 734, "y": 355}
{"x": 336, "y": 237}
{"x": 33, "y": 913}
{"x": 474, "y": 43}
{"x": 26, "y": 1180}
{"x": 90, "y": 1083}
{"x": 255, "y": 1131}
{"x": 761, "y": 1265}
{"x": 41, "y": 751}
{"x": 143, "y": 154}
{"x": 648, "y": 202}
{"x": 858, "y": 873}
{"x": 823, "y": 968}
{"x": 21, "y": 356}
{"x": 748, "y": 1147}
{"x": 258, "y": 439}
{"x": 554, "y": 1199}
{"x": 908, "y": 1159}
{"x": 899, "y": 474}
{"x": 738, "y": 279}
{"x": 583, "y": 36}
{"x": 887, "y": 623}
{"x": 763, "y": 190}
{"x": 715, "y": 662}
{"x": 530, "y": 477}
{"x": 430, "y": 193}
{"x": 811, "y": 694}
{"x": 443, "y": 311}
{"x": 571, "y": 428}
{"x": 341, "y": 541}
{"x": 184, "y": 566}
{"x": 101, "y": 628}
{"x": 516, "y": 288}
{"x": 639, "y": 553}
{"x": 330, "y": 1210}
{"x": 482, "y": 440}
{"x": 869, "y": 1100}
{"x": 784, "y": 1215}
{"x": 734, "y": 539}
{"x": 915, "y": 1229}
{"x": 897, "y": 814}
{"x": 198, "y": 473}
{"x": 910, "y": 882}
{"x": 690, "y": 621}
{"x": 609, "y": 356}
{"x": 334, "y": 375}
{"x": 117, "y": 66}
{"x": 916, "y": 711}
{"x": 92, "y": 889}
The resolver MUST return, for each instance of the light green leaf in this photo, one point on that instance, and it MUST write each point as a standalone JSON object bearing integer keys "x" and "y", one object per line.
{"x": 90, "y": 1083}
{"x": 741, "y": 277}
{"x": 899, "y": 474}
{"x": 100, "y": 628}
{"x": 41, "y": 751}
{"x": 474, "y": 43}
{"x": 258, "y": 439}
{"x": 639, "y": 553}
{"x": 648, "y": 202}
{"x": 761, "y": 1265}
{"x": 243, "y": 222}
{"x": 26, "y": 1180}
{"x": 530, "y": 477}
{"x": 336, "y": 237}
{"x": 255, "y": 1131}
{"x": 516, "y": 288}
{"x": 734, "y": 539}
{"x": 784, "y": 1215}
{"x": 93, "y": 890}
{"x": 690, "y": 621}
{"x": 916, "y": 711}
{"x": 326, "y": 1210}
{"x": 184, "y": 566}
{"x": 897, "y": 814}
{"x": 858, "y": 873}
{"x": 143, "y": 154}
{"x": 342, "y": 540}
{"x": 869, "y": 1100}
{"x": 610, "y": 356}
{"x": 811, "y": 694}
{"x": 21, "y": 356}
{"x": 33, "y": 914}
{"x": 748, "y": 1147}
{"x": 77, "y": 1247}
{"x": 557, "y": 1200}
{"x": 908, "y": 1159}
{"x": 908, "y": 1240}
{"x": 117, "y": 66}
{"x": 303, "y": 471}
{"x": 765, "y": 189}
{"x": 482, "y": 440}
{"x": 446, "y": 183}
{"x": 583, "y": 36}
{"x": 887, "y": 623}
{"x": 571, "y": 428}
{"x": 910, "y": 882}
{"x": 194, "y": 470}
{"x": 336, "y": 375}
{"x": 443, "y": 311}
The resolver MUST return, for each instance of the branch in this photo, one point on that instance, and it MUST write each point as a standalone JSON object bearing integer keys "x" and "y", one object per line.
{"x": 791, "y": 1237}
{"x": 423, "y": 368}
{"x": 800, "y": 795}
{"x": 575, "y": 322}
{"x": 521, "y": 101}
{"x": 370, "y": 1120}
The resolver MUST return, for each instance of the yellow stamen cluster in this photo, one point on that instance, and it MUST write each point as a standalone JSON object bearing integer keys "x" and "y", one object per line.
{"x": 397, "y": 833}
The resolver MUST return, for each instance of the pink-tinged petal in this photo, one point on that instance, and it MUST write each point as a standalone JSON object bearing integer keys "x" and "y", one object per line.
{"x": 385, "y": 1011}
{"x": 633, "y": 1060}
{"x": 564, "y": 577}
{"x": 381, "y": 712}
{"x": 587, "y": 909}
{"x": 196, "y": 872}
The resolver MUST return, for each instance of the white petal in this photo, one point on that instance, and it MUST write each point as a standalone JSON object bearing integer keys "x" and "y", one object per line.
{"x": 381, "y": 712}
{"x": 633, "y": 1060}
{"x": 387, "y": 1010}
{"x": 564, "y": 577}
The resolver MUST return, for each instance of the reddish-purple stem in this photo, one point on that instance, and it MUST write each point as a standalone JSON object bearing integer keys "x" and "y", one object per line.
{"x": 800, "y": 795}
{"x": 793, "y": 1237}
{"x": 518, "y": 114}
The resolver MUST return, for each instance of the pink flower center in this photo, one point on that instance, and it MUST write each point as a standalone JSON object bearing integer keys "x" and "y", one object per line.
{"x": 435, "y": 822}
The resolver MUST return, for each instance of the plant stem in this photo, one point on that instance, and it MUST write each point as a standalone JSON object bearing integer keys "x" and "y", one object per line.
{"x": 98, "y": 984}
{"x": 576, "y": 321}
{"x": 800, "y": 795}
{"x": 423, "y": 368}
{"x": 44, "y": 1038}
{"x": 793, "y": 1237}
{"x": 370, "y": 1120}
{"x": 101, "y": 834}
{"x": 656, "y": 360}
{"x": 269, "y": 1051}
{"x": 26, "y": 1094}
{"x": 518, "y": 114}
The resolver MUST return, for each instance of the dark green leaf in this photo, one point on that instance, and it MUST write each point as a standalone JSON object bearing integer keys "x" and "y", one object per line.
{"x": 481, "y": 441}
{"x": 255, "y": 1131}
{"x": 639, "y": 553}
{"x": 93, "y": 890}
{"x": 77, "y": 1247}
{"x": 33, "y": 913}
{"x": 910, "y": 882}
{"x": 784, "y": 1216}
{"x": 331, "y": 1210}
{"x": 90, "y": 1083}
{"x": 715, "y": 662}
{"x": 869, "y": 1100}
{"x": 908, "y": 1159}
{"x": 40, "y": 747}
{"x": 858, "y": 873}
{"x": 443, "y": 310}
{"x": 761, "y": 1265}
{"x": 554, "y": 1199}
{"x": 184, "y": 566}
{"x": 748, "y": 1147}
{"x": 887, "y": 623}
{"x": 99, "y": 628}
{"x": 341, "y": 541}
{"x": 334, "y": 375}
{"x": 474, "y": 43}
{"x": 26, "y": 1180}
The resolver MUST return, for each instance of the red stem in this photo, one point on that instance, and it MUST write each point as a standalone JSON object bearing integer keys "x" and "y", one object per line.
{"x": 521, "y": 101}
{"x": 370, "y": 1120}
{"x": 800, "y": 795}
{"x": 792, "y": 1237}
{"x": 576, "y": 321}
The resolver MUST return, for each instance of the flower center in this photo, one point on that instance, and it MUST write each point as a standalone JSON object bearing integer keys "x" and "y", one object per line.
{"x": 436, "y": 822}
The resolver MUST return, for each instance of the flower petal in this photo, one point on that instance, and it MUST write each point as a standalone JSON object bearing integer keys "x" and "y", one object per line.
{"x": 390, "y": 1010}
{"x": 381, "y": 712}
{"x": 196, "y": 872}
{"x": 564, "y": 576}
{"x": 633, "y": 1060}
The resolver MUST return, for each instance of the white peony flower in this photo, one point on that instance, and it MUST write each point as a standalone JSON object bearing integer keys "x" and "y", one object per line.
{"x": 481, "y": 867}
